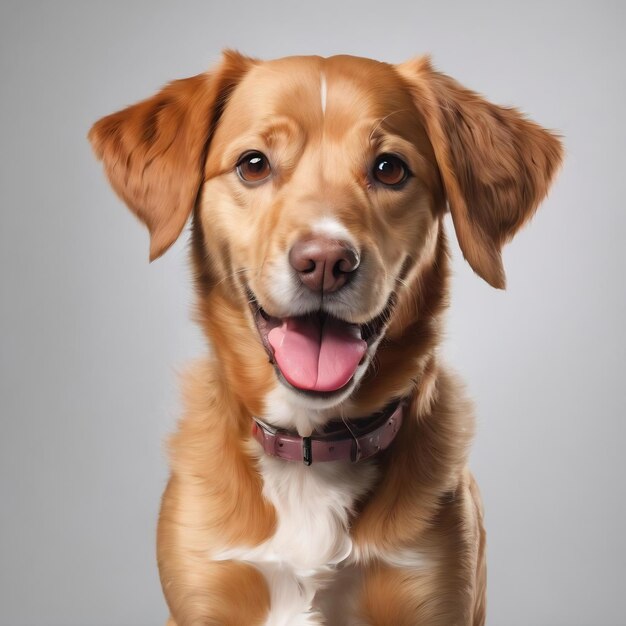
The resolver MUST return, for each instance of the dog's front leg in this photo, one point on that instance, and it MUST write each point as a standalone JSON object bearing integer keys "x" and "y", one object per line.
{"x": 222, "y": 594}
{"x": 199, "y": 591}
{"x": 440, "y": 581}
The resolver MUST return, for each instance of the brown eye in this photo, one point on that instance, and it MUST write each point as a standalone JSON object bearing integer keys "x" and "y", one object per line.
{"x": 253, "y": 167}
{"x": 390, "y": 170}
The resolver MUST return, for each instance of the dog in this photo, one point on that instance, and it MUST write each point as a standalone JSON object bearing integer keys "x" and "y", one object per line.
{"x": 319, "y": 472}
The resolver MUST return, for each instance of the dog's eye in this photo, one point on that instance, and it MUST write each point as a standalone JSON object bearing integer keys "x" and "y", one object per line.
{"x": 390, "y": 170}
{"x": 253, "y": 167}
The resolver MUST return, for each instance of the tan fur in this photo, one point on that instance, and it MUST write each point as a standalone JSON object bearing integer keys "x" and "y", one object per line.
{"x": 174, "y": 155}
{"x": 153, "y": 151}
{"x": 496, "y": 166}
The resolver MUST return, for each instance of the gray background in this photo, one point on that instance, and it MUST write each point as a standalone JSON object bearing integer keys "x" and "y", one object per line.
{"x": 91, "y": 335}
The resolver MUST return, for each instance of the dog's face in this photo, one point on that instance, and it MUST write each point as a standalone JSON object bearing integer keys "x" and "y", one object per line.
{"x": 319, "y": 185}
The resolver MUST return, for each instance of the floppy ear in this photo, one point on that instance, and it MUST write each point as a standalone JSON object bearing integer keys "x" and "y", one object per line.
{"x": 496, "y": 166}
{"x": 153, "y": 152}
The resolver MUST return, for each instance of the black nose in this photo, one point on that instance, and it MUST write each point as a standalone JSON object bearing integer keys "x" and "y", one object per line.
{"x": 324, "y": 264}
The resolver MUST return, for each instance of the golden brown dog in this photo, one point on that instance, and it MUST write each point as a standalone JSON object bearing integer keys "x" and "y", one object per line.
{"x": 319, "y": 471}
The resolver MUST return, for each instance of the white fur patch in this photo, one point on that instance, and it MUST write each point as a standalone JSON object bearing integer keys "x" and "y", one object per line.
{"x": 333, "y": 228}
{"x": 290, "y": 410}
{"x": 323, "y": 92}
{"x": 313, "y": 505}
{"x": 291, "y": 600}
{"x": 285, "y": 290}
{"x": 403, "y": 558}
{"x": 408, "y": 559}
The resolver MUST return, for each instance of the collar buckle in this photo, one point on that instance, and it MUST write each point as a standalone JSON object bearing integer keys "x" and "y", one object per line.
{"x": 307, "y": 451}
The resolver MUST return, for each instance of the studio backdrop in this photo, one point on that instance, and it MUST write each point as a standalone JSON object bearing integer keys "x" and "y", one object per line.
{"x": 92, "y": 335}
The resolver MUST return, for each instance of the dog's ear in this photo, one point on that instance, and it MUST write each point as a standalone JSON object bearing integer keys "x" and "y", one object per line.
{"x": 496, "y": 166}
{"x": 153, "y": 152}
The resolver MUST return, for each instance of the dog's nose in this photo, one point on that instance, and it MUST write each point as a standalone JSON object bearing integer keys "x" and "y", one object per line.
{"x": 324, "y": 264}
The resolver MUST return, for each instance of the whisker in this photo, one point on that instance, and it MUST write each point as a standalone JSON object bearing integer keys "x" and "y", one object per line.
{"x": 234, "y": 274}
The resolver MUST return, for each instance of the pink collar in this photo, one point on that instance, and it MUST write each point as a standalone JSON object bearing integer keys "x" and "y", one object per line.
{"x": 361, "y": 439}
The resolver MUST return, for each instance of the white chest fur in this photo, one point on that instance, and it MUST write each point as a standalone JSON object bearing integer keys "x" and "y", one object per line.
{"x": 313, "y": 506}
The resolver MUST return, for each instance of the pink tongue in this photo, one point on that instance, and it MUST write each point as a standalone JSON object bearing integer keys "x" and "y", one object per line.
{"x": 317, "y": 356}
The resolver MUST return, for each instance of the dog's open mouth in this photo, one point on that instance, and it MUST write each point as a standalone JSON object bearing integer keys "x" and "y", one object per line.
{"x": 316, "y": 353}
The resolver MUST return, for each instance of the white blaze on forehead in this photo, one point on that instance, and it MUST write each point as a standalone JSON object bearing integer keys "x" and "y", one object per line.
{"x": 323, "y": 92}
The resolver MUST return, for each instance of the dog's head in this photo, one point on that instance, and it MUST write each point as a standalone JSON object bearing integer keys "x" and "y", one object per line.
{"x": 317, "y": 187}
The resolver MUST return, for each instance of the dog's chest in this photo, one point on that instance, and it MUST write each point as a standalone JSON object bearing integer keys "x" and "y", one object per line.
{"x": 313, "y": 506}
